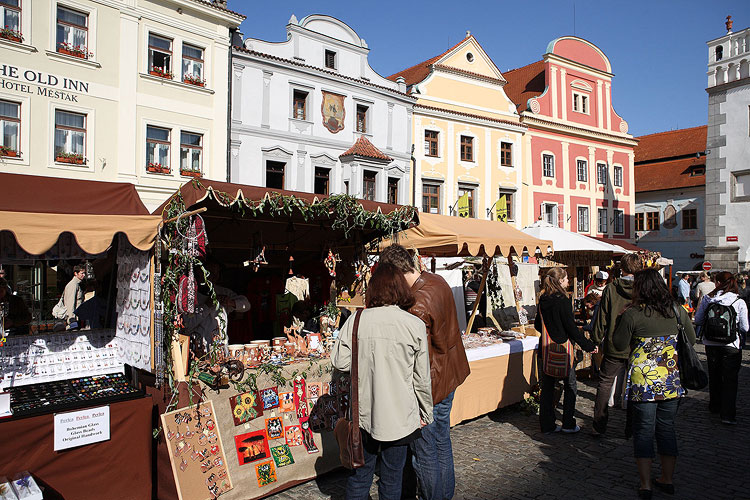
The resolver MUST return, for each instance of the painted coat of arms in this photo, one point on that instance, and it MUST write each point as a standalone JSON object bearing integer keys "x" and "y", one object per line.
{"x": 333, "y": 111}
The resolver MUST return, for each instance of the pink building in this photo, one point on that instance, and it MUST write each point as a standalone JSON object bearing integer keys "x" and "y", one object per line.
{"x": 578, "y": 148}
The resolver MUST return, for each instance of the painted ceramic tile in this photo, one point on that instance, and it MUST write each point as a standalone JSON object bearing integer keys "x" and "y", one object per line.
{"x": 300, "y": 397}
{"x": 286, "y": 401}
{"x": 270, "y": 397}
{"x": 307, "y": 436}
{"x": 266, "y": 473}
{"x": 293, "y": 435}
{"x": 274, "y": 428}
{"x": 245, "y": 407}
{"x": 314, "y": 391}
{"x": 282, "y": 455}
{"x": 252, "y": 446}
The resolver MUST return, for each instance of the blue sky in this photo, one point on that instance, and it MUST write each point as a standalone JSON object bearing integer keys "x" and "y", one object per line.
{"x": 657, "y": 48}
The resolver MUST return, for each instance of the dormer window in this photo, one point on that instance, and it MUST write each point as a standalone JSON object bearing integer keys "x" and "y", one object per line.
{"x": 330, "y": 59}
{"x": 696, "y": 171}
{"x": 719, "y": 53}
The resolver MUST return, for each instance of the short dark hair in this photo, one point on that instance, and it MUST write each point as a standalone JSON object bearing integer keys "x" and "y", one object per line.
{"x": 631, "y": 263}
{"x": 388, "y": 287}
{"x": 592, "y": 298}
{"x": 399, "y": 257}
{"x": 78, "y": 268}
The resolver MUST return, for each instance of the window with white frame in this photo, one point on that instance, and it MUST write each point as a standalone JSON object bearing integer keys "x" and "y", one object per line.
{"x": 602, "y": 218}
{"x": 580, "y": 103}
{"x": 10, "y": 14}
{"x": 157, "y": 149}
{"x": 10, "y": 127}
{"x": 192, "y": 65}
{"x": 582, "y": 169}
{"x": 191, "y": 154}
{"x": 431, "y": 142}
{"x": 619, "y": 226}
{"x": 549, "y": 212}
{"x": 72, "y": 32}
{"x": 299, "y": 104}
{"x": 548, "y": 165}
{"x": 583, "y": 219}
{"x": 362, "y": 112}
{"x": 160, "y": 56}
{"x": 70, "y": 137}
{"x": 618, "y": 175}
{"x": 601, "y": 173}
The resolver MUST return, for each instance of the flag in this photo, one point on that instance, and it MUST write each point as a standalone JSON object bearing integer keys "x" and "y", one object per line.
{"x": 463, "y": 205}
{"x": 501, "y": 209}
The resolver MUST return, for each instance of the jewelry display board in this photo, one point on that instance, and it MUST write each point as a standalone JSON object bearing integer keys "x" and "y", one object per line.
{"x": 133, "y": 305}
{"x": 196, "y": 452}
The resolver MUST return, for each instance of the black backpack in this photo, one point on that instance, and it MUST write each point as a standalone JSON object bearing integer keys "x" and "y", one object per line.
{"x": 720, "y": 324}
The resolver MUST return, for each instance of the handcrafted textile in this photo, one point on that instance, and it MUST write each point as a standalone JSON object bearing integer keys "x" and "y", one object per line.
{"x": 300, "y": 287}
{"x": 654, "y": 374}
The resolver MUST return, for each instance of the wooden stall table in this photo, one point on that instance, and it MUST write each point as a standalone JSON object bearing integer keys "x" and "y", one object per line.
{"x": 501, "y": 375}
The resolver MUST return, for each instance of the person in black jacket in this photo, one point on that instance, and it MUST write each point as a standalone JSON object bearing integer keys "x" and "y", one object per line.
{"x": 556, "y": 310}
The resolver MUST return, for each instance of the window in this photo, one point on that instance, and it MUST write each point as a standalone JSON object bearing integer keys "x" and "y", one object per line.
{"x": 549, "y": 211}
{"x": 467, "y": 148}
{"x": 602, "y": 218}
{"x": 10, "y": 14}
{"x": 652, "y": 221}
{"x": 192, "y": 65}
{"x": 159, "y": 56}
{"x": 583, "y": 219}
{"x": 330, "y": 59}
{"x": 601, "y": 173}
{"x": 696, "y": 171}
{"x": 618, "y": 176}
{"x": 322, "y": 180}
{"x": 275, "y": 174}
{"x": 10, "y": 128}
{"x": 72, "y": 32}
{"x": 504, "y": 207}
{"x": 70, "y": 137}
{"x": 689, "y": 218}
{"x": 548, "y": 165}
{"x": 362, "y": 118}
{"x": 368, "y": 185}
{"x": 299, "y": 105}
{"x": 580, "y": 103}
{"x": 430, "y": 143}
{"x": 582, "y": 168}
{"x": 393, "y": 190}
{"x": 719, "y": 53}
{"x": 619, "y": 222}
{"x": 431, "y": 198}
{"x": 157, "y": 149}
{"x": 506, "y": 154}
{"x": 466, "y": 210}
{"x": 191, "y": 153}
{"x": 640, "y": 221}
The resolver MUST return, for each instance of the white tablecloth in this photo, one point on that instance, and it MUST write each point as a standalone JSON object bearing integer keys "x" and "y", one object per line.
{"x": 506, "y": 347}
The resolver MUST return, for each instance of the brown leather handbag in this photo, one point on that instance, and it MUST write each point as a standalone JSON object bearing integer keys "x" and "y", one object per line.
{"x": 347, "y": 431}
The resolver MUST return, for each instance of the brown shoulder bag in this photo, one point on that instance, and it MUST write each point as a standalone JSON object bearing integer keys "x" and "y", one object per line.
{"x": 347, "y": 431}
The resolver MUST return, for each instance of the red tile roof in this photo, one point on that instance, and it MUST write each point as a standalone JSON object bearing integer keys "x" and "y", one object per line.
{"x": 469, "y": 115}
{"x": 524, "y": 83}
{"x": 363, "y": 147}
{"x": 218, "y": 7}
{"x": 419, "y": 72}
{"x": 672, "y": 174}
{"x": 621, "y": 243}
{"x": 671, "y": 144}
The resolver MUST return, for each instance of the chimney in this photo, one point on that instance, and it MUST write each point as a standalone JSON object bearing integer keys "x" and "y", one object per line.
{"x": 401, "y": 81}
{"x": 729, "y": 24}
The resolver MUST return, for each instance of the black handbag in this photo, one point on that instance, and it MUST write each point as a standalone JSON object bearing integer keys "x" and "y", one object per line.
{"x": 348, "y": 435}
{"x": 692, "y": 374}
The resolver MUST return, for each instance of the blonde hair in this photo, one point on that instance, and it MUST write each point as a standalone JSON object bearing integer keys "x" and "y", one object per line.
{"x": 552, "y": 281}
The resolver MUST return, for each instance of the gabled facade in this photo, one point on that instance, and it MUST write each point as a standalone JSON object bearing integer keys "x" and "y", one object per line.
{"x": 728, "y": 149}
{"x": 116, "y": 91}
{"x": 670, "y": 195}
{"x": 467, "y": 135}
{"x": 578, "y": 153}
{"x": 299, "y": 105}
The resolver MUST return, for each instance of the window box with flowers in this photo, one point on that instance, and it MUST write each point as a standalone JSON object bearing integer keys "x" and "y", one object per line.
{"x": 157, "y": 168}
{"x": 11, "y": 153}
{"x": 191, "y": 173}
{"x": 161, "y": 73}
{"x": 8, "y": 33}
{"x": 194, "y": 80}
{"x": 74, "y": 158}
{"x": 78, "y": 51}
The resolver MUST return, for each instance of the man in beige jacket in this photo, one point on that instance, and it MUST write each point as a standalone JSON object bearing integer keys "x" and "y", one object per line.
{"x": 73, "y": 293}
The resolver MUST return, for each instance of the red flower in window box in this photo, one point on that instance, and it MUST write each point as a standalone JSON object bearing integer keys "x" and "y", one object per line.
{"x": 160, "y": 72}
{"x": 8, "y": 152}
{"x": 157, "y": 168}
{"x": 191, "y": 173}
{"x": 9, "y": 33}
{"x": 194, "y": 80}
{"x": 78, "y": 51}
{"x": 74, "y": 158}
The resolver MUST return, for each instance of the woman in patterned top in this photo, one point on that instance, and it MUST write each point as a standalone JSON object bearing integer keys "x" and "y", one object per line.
{"x": 653, "y": 389}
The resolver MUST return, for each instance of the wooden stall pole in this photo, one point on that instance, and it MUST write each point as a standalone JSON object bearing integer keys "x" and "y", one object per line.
{"x": 186, "y": 214}
{"x": 485, "y": 271}
{"x": 514, "y": 284}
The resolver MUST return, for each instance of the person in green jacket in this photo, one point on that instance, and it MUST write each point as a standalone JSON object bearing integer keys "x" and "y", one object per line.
{"x": 615, "y": 299}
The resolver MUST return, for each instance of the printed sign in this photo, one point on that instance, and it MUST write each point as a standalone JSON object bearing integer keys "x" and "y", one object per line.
{"x": 78, "y": 428}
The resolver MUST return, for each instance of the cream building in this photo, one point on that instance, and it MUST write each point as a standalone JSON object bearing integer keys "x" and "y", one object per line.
{"x": 131, "y": 91}
{"x": 467, "y": 135}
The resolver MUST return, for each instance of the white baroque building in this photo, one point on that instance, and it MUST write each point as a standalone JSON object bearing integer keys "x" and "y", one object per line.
{"x": 728, "y": 150}
{"x": 310, "y": 114}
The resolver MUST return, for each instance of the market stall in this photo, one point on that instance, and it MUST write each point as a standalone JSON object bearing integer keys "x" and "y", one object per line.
{"x": 502, "y": 361}
{"x": 265, "y": 396}
{"x": 75, "y": 418}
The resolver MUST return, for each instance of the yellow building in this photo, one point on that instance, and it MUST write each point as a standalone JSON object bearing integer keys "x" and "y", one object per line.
{"x": 468, "y": 138}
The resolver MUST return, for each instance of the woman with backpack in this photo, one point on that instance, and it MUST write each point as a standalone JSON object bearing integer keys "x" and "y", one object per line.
{"x": 722, "y": 317}
{"x": 649, "y": 328}
{"x": 555, "y": 321}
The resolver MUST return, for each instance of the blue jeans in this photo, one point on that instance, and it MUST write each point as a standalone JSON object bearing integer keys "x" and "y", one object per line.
{"x": 433, "y": 455}
{"x": 392, "y": 460}
{"x": 654, "y": 418}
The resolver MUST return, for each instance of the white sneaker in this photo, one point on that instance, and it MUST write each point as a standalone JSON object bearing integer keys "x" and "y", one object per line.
{"x": 558, "y": 428}
{"x": 575, "y": 429}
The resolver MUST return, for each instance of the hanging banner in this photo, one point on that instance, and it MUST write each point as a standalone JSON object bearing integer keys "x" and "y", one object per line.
{"x": 333, "y": 111}
{"x": 463, "y": 205}
{"x": 501, "y": 209}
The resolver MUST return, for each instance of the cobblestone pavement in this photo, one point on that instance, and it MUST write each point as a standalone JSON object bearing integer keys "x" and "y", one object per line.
{"x": 504, "y": 456}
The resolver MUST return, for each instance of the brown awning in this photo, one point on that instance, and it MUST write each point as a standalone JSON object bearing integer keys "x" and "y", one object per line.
{"x": 33, "y": 193}
{"x": 36, "y": 233}
{"x": 445, "y": 236}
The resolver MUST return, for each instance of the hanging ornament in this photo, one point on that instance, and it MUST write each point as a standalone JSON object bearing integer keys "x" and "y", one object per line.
{"x": 330, "y": 263}
{"x": 291, "y": 263}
